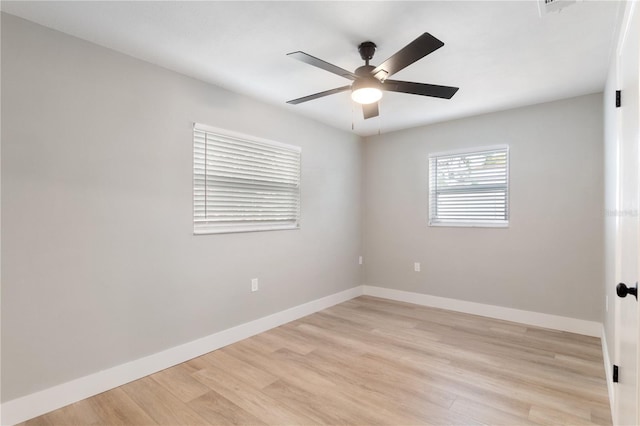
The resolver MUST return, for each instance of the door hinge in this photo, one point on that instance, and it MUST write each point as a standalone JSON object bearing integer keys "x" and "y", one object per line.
{"x": 615, "y": 373}
{"x": 618, "y": 98}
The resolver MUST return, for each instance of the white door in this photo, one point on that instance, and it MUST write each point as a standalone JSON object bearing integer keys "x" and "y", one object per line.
{"x": 629, "y": 160}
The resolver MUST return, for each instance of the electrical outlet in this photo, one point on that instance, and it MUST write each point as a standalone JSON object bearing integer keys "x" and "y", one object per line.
{"x": 416, "y": 266}
{"x": 254, "y": 284}
{"x": 359, "y": 260}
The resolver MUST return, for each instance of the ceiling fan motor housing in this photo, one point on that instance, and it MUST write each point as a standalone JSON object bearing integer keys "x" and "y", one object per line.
{"x": 364, "y": 71}
{"x": 367, "y": 49}
{"x": 369, "y": 81}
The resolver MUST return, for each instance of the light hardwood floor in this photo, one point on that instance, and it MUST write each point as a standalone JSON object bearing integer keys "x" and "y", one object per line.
{"x": 371, "y": 361}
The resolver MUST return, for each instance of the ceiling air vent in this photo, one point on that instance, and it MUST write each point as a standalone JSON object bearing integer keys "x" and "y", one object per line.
{"x": 548, "y": 6}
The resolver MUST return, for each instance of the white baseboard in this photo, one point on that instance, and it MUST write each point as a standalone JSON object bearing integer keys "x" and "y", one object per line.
{"x": 608, "y": 371}
{"x": 36, "y": 404}
{"x": 573, "y": 325}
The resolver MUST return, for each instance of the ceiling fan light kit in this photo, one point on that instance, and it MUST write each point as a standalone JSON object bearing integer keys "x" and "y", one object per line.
{"x": 366, "y": 91}
{"x": 366, "y": 95}
{"x": 369, "y": 82}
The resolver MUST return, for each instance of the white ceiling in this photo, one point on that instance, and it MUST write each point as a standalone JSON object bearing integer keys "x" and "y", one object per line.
{"x": 501, "y": 54}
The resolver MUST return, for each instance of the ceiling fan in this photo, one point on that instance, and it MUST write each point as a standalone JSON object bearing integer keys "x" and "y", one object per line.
{"x": 369, "y": 81}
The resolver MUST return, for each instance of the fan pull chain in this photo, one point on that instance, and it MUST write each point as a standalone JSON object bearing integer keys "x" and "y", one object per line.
{"x": 352, "y": 118}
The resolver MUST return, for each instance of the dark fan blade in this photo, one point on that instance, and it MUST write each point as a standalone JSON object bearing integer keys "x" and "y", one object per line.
{"x": 312, "y": 60}
{"x": 417, "y": 49}
{"x": 445, "y": 92}
{"x": 370, "y": 110}
{"x": 318, "y": 95}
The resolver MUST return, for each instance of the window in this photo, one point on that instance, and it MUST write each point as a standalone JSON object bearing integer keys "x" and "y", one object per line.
{"x": 241, "y": 183}
{"x": 469, "y": 188}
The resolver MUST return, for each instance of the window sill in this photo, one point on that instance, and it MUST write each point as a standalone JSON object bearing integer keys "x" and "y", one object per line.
{"x": 231, "y": 230}
{"x": 470, "y": 224}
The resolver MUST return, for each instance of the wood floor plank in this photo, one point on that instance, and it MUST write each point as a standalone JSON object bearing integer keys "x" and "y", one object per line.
{"x": 257, "y": 377}
{"x": 549, "y": 416}
{"x": 356, "y": 404}
{"x": 580, "y": 366}
{"x": 80, "y": 413}
{"x": 178, "y": 381}
{"x": 601, "y": 415}
{"x": 252, "y": 400}
{"x": 370, "y": 361}
{"x": 487, "y": 414}
{"x": 521, "y": 391}
{"x": 160, "y": 404}
{"x": 291, "y": 341}
{"x": 218, "y": 410}
{"x": 292, "y": 372}
{"x": 115, "y": 407}
{"x": 322, "y": 407}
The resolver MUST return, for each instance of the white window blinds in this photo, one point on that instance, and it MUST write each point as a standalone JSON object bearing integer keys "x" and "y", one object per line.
{"x": 241, "y": 183}
{"x": 469, "y": 188}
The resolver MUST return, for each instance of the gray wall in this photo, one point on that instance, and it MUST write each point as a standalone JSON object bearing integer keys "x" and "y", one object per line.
{"x": 99, "y": 264}
{"x": 549, "y": 260}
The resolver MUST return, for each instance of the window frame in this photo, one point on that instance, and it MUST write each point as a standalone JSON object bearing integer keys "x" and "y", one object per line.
{"x": 435, "y": 222}
{"x": 200, "y": 228}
